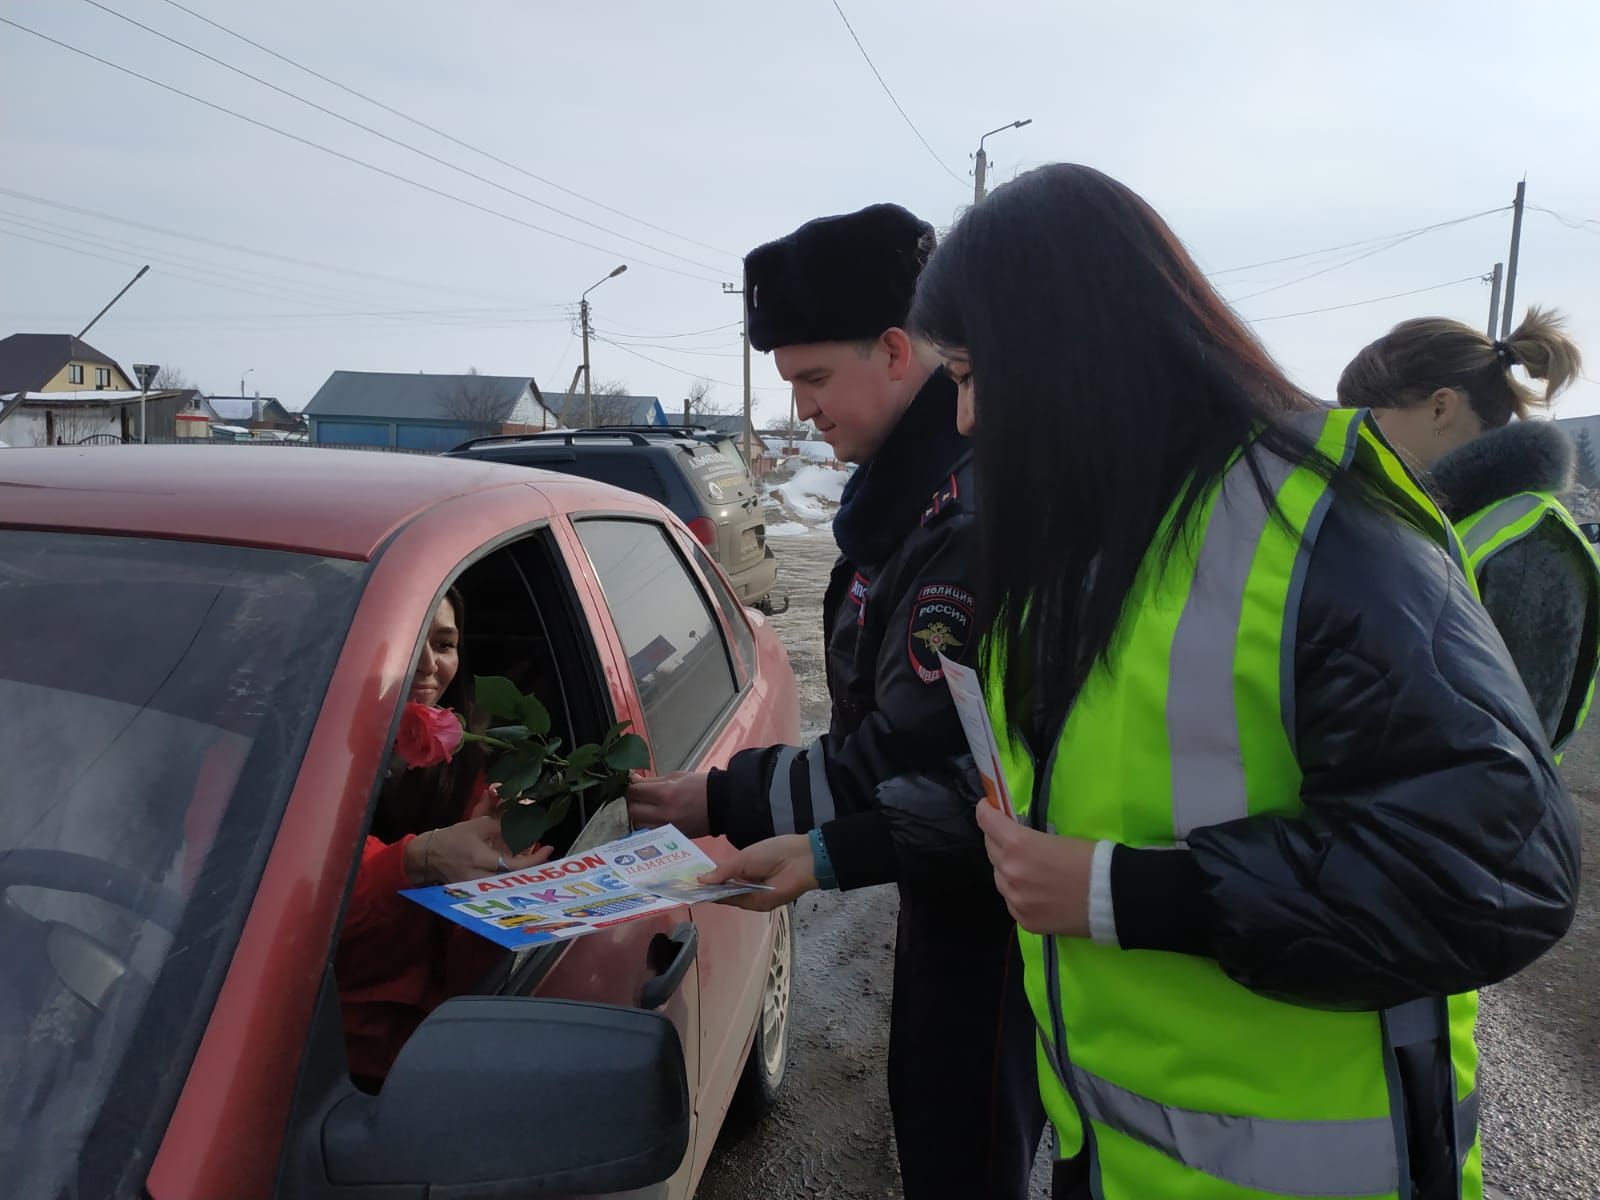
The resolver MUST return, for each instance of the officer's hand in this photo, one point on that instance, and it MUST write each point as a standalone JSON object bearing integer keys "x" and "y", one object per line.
{"x": 1043, "y": 878}
{"x": 677, "y": 799}
{"x": 784, "y": 863}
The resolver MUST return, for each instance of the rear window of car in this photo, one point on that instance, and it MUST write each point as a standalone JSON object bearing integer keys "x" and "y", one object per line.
{"x": 709, "y": 465}
{"x": 157, "y": 696}
{"x": 627, "y": 469}
{"x": 674, "y": 642}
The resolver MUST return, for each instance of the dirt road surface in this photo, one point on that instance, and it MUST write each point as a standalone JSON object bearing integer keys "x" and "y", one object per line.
{"x": 830, "y": 1136}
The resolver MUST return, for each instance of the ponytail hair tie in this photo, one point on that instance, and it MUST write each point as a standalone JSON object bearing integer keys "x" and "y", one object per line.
{"x": 1502, "y": 351}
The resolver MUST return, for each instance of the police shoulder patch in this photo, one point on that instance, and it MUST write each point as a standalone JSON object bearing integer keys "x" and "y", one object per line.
{"x": 941, "y": 623}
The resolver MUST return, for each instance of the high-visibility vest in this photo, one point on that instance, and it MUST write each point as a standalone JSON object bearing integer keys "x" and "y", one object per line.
{"x": 1504, "y": 523}
{"x": 1179, "y": 1082}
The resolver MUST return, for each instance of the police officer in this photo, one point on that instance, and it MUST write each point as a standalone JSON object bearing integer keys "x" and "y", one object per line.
{"x": 864, "y": 804}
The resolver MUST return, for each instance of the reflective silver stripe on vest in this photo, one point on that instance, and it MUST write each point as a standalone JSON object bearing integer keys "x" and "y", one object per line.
{"x": 781, "y": 798}
{"x": 1507, "y": 513}
{"x": 822, "y": 805}
{"x": 1291, "y": 1158}
{"x": 1208, "y": 785}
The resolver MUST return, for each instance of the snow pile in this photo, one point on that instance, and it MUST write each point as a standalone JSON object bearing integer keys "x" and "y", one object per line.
{"x": 788, "y": 529}
{"x": 812, "y": 494}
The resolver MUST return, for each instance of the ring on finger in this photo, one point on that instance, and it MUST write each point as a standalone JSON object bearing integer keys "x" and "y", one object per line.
{"x": 500, "y": 864}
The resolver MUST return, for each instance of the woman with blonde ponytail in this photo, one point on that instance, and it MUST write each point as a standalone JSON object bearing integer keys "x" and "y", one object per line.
{"x": 1445, "y": 395}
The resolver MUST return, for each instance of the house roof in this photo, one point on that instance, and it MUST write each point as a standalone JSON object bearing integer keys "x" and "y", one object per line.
{"x": 635, "y": 410}
{"x": 395, "y": 396}
{"x": 28, "y": 361}
{"x": 723, "y": 424}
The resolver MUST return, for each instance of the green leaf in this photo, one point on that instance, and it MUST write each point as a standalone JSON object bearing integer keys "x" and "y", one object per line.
{"x": 524, "y": 777}
{"x": 499, "y": 697}
{"x": 613, "y": 787}
{"x": 630, "y": 754}
{"x": 535, "y": 716}
{"x": 614, "y": 734}
{"x": 524, "y": 824}
{"x": 582, "y": 758}
{"x": 510, "y": 733}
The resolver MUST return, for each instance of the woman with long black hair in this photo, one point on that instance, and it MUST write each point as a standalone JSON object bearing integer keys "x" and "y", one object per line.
{"x": 1283, "y": 805}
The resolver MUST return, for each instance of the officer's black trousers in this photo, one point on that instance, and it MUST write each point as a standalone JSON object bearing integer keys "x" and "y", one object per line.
{"x": 962, "y": 1081}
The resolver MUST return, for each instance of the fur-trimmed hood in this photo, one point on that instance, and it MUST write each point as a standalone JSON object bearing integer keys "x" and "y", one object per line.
{"x": 1524, "y": 456}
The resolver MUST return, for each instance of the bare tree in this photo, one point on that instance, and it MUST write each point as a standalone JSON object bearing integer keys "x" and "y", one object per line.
{"x": 172, "y": 379}
{"x": 613, "y": 405}
{"x": 475, "y": 403}
{"x": 698, "y": 404}
{"x": 69, "y": 426}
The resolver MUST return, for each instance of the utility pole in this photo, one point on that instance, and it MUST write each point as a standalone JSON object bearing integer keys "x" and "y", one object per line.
{"x": 744, "y": 327}
{"x": 114, "y": 299}
{"x": 588, "y": 379}
{"x": 1511, "y": 262}
{"x": 583, "y": 316}
{"x": 1494, "y": 296}
{"x": 981, "y": 172}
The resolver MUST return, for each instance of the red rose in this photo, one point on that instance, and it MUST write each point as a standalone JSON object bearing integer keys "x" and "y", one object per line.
{"x": 428, "y": 736}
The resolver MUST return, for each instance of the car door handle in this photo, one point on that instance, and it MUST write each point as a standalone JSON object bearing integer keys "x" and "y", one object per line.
{"x": 671, "y": 956}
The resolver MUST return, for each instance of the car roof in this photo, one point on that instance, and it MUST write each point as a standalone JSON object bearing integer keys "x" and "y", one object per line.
{"x": 339, "y": 503}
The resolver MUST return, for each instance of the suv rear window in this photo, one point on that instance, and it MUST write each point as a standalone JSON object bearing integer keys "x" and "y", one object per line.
{"x": 627, "y": 469}
{"x": 709, "y": 465}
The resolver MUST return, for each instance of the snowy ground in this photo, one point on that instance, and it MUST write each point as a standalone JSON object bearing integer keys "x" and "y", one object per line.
{"x": 805, "y": 501}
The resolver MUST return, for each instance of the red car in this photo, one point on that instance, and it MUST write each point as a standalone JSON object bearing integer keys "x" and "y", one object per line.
{"x": 197, "y": 703}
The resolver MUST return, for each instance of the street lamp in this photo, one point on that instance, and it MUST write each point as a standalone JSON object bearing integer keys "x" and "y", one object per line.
{"x": 146, "y": 373}
{"x": 583, "y": 316}
{"x": 983, "y": 157}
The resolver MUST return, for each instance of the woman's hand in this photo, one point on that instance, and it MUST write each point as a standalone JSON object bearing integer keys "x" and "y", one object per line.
{"x": 469, "y": 850}
{"x": 784, "y": 863}
{"x": 1043, "y": 878}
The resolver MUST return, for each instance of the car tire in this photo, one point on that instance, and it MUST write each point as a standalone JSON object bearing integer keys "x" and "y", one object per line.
{"x": 768, "y": 1063}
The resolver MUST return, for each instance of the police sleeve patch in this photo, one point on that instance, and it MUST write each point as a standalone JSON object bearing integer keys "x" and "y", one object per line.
{"x": 941, "y": 623}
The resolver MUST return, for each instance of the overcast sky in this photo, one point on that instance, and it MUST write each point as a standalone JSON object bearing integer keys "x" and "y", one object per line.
{"x": 1260, "y": 130}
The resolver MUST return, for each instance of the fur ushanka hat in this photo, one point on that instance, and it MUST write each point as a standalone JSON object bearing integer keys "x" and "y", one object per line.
{"x": 836, "y": 279}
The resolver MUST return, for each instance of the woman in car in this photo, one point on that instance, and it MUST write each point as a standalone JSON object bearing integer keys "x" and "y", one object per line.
{"x": 396, "y": 962}
{"x": 1444, "y": 395}
{"x": 1283, "y": 806}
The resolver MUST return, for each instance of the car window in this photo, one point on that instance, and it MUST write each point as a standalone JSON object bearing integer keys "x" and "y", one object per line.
{"x": 155, "y": 714}
{"x": 674, "y": 643}
{"x": 630, "y": 471}
{"x": 713, "y": 473}
{"x": 744, "y": 642}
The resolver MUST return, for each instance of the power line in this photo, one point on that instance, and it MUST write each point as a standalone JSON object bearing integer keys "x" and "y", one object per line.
{"x": 236, "y": 248}
{"x": 1374, "y": 300}
{"x": 1388, "y": 237}
{"x": 688, "y": 334}
{"x": 292, "y": 288}
{"x": 680, "y": 370}
{"x": 437, "y": 132}
{"x": 349, "y": 158}
{"x": 1580, "y": 223}
{"x": 903, "y": 116}
{"x": 351, "y": 121}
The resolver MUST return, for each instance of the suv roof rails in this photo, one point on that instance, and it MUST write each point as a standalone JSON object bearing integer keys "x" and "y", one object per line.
{"x": 560, "y": 437}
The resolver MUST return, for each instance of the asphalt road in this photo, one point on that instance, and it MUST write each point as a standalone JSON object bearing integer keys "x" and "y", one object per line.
{"x": 830, "y": 1138}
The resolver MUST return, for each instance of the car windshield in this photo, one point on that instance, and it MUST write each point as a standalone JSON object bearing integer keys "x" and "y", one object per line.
{"x": 155, "y": 698}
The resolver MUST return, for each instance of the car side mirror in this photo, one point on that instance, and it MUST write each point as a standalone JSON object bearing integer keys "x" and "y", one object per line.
{"x": 511, "y": 1096}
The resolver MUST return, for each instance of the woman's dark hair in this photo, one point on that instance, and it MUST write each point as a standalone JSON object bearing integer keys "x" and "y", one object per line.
{"x": 415, "y": 801}
{"x": 1416, "y": 358}
{"x": 1112, "y": 383}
